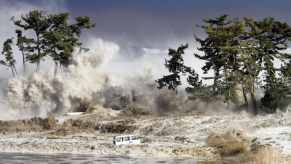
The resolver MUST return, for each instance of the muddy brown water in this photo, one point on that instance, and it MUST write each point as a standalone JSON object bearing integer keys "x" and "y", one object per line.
{"x": 18, "y": 158}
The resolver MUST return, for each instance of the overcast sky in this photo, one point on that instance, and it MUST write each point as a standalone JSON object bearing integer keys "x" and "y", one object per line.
{"x": 159, "y": 22}
{"x": 148, "y": 26}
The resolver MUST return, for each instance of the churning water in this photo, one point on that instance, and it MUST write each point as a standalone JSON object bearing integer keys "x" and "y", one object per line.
{"x": 17, "y": 158}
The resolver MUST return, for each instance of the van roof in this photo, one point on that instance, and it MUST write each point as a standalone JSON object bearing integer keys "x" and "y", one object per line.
{"x": 124, "y": 136}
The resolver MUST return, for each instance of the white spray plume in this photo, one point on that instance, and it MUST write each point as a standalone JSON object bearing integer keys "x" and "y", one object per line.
{"x": 42, "y": 93}
{"x": 38, "y": 94}
{"x": 88, "y": 81}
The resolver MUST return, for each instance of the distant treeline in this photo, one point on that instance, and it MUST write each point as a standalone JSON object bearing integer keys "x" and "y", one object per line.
{"x": 241, "y": 54}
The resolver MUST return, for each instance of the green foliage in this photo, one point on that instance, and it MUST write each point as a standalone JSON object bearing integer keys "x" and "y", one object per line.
{"x": 221, "y": 53}
{"x": 8, "y": 60}
{"x": 36, "y": 22}
{"x": 53, "y": 35}
{"x": 273, "y": 38}
{"x": 21, "y": 40}
{"x": 62, "y": 37}
{"x": 240, "y": 53}
{"x": 175, "y": 65}
{"x": 276, "y": 98}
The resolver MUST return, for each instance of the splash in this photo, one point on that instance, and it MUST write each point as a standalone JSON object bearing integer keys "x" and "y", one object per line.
{"x": 90, "y": 81}
{"x": 40, "y": 94}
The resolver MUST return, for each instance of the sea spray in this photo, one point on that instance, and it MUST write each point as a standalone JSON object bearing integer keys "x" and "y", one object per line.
{"x": 89, "y": 82}
{"x": 41, "y": 93}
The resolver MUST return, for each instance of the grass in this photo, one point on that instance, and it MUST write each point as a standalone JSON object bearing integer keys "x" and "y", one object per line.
{"x": 234, "y": 147}
{"x": 266, "y": 155}
{"x": 231, "y": 143}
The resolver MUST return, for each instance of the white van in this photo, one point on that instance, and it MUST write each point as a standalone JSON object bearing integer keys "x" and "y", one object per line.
{"x": 126, "y": 140}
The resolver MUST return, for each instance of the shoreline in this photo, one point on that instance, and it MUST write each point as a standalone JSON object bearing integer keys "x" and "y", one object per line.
{"x": 163, "y": 137}
{"x": 86, "y": 144}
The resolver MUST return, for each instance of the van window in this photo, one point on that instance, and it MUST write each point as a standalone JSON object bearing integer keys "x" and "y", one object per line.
{"x": 126, "y": 138}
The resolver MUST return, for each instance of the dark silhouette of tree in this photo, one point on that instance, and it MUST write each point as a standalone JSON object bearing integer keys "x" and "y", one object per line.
{"x": 221, "y": 53}
{"x": 37, "y": 23}
{"x": 7, "y": 53}
{"x": 53, "y": 35}
{"x": 241, "y": 53}
{"x": 62, "y": 38}
{"x": 23, "y": 45}
{"x": 273, "y": 40}
{"x": 175, "y": 65}
{"x": 211, "y": 46}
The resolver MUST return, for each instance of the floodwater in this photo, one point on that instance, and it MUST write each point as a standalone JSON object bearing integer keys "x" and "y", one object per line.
{"x": 18, "y": 158}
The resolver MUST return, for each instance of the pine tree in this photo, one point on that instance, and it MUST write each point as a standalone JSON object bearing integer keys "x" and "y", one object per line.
{"x": 177, "y": 68}
{"x": 53, "y": 35}
{"x": 35, "y": 22}
{"x": 7, "y": 53}
{"x": 62, "y": 38}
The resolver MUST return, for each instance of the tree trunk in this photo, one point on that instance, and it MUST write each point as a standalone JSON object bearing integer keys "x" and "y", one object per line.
{"x": 23, "y": 62}
{"x": 216, "y": 76}
{"x": 245, "y": 96}
{"x": 253, "y": 99}
{"x": 38, "y": 51}
{"x": 254, "y": 103}
{"x": 56, "y": 69}
{"x": 37, "y": 66}
{"x": 15, "y": 70}
{"x": 12, "y": 71}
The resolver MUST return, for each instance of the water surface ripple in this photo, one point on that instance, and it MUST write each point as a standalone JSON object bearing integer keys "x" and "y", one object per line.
{"x": 18, "y": 158}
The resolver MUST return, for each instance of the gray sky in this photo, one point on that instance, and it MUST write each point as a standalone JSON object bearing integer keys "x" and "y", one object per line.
{"x": 158, "y": 23}
{"x": 140, "y": 27}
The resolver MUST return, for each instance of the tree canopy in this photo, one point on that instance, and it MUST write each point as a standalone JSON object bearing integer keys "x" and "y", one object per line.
{"x": 241, "y": 53}
{"x": 8, "y": 60}
{"x": 41, "y": 35}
